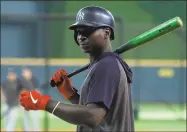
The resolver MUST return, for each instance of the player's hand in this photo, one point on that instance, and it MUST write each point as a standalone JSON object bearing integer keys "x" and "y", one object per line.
{"x": 32, "y": 100}
{"x": 65, "y": 87}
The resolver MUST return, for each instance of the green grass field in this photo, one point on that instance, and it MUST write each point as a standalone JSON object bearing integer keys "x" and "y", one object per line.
{"x": 141, "y": 125}
{"x": 152, "y": 117}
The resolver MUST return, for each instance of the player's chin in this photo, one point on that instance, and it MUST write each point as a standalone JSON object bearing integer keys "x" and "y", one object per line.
{"x": 87, "y": 50}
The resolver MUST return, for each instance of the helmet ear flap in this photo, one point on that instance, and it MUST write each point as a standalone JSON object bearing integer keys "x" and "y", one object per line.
{"x": 75, "y": 37}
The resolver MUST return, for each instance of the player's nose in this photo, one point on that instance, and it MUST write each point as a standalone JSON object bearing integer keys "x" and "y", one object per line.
{"x": 81, "y": 39}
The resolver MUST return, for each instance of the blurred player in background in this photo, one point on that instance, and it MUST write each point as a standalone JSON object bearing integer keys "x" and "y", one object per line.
{"x": 30, "y": 82}
{"x": 10, "y": 90}
{"x": 104, "y": 102}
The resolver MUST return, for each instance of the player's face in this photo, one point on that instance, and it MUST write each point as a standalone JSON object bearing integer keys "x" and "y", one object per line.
{"x": 26, "y": 73}
{"x": 91, "y": 40}
{"x": 11, "y": 76}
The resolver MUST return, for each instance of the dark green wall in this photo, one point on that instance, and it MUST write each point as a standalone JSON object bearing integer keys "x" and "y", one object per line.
{"x": 138, "y": 17}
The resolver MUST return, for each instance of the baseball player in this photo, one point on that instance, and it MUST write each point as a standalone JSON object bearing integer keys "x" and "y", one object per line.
{"x": 104, "y": 102}
{"x": 10, "y": 90}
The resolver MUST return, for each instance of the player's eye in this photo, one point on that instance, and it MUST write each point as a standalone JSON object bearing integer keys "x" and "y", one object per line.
{"x": 86, "y": 32}
{"x": 78, "y": 31}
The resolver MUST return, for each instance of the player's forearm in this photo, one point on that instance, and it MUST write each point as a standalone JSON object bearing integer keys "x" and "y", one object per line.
{"x": 74, "y": 114}
{"x": 75, "y": 99}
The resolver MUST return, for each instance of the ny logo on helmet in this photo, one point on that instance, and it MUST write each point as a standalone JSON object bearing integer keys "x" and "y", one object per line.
{"x": 80, "y": 16}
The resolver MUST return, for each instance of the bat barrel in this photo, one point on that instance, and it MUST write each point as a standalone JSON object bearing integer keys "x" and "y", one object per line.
{"x": 153, "y": 33}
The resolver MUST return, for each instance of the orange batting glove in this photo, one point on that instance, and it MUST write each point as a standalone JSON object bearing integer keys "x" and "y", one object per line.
{"x": 65, "y": 87}
{"x": 32, "y": 100}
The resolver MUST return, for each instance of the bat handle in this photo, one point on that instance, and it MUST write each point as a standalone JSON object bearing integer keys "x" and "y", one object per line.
{"x": 53, "y": 84}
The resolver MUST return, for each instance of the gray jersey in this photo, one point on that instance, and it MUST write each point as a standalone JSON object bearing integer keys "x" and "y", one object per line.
{"x": 106, "y": 84}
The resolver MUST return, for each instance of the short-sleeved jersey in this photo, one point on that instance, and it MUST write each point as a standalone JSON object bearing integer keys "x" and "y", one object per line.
{"x": 106, "y": 84}
{"x": 11, "y": 90}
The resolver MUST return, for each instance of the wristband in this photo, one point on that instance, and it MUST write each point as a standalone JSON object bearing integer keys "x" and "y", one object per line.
{"x": 55, "y": 107}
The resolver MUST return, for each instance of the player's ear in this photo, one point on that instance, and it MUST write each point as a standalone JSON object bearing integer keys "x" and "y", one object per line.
{"x": 107, "y": 33}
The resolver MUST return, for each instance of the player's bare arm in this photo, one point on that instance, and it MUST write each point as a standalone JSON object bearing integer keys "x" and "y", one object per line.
{"x": 90, "y": 115}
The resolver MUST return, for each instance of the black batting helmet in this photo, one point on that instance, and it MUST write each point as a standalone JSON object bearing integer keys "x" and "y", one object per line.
{"x": 94, "y": 16}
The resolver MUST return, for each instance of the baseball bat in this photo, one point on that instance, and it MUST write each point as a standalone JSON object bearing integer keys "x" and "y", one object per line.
{"x": 151, "y": 34}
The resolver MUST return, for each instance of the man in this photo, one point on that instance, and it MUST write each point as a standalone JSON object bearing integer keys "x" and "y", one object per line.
{"x": 30, "y": 82}
{"x": 10, "y": 90}
{"x": 104, "y": 103}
